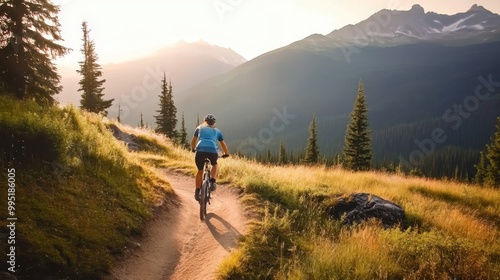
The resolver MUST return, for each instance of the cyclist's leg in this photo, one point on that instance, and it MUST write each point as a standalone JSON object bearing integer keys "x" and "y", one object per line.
{"x": 200, "y": 161}
{"x": 213, "y": 160}
{"x": 199, "y": 178}
{"x": 214, "y": 171}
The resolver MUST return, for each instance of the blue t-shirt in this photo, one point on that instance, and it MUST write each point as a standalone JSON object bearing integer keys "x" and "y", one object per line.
{"x": 207, "y": 138}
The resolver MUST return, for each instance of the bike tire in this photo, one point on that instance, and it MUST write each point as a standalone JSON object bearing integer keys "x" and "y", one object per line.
{"x": 203, "y": 200}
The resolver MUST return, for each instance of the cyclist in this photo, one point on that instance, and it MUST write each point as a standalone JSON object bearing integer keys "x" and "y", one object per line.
{"x": 204, "y": 143}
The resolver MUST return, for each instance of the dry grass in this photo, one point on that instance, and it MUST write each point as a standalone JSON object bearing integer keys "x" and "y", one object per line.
{"x": 457, "y": 223}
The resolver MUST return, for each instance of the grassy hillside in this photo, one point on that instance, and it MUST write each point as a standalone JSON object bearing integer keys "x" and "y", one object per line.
{"x": 79, "y": 194}
{"x": 452, "y": 230}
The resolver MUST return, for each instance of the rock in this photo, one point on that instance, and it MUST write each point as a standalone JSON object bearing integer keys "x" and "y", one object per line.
{"x": 129, "y": 139}
{"x": 363, "y": 206}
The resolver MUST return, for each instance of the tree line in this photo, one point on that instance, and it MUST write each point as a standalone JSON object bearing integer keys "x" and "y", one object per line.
{"x": 451, "y": 162}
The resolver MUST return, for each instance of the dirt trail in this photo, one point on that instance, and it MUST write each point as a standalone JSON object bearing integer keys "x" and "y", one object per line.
{"x": 177, "y": 245}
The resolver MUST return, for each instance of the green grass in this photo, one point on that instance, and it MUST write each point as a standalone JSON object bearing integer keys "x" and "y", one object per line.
{"x": 80, "y": 195}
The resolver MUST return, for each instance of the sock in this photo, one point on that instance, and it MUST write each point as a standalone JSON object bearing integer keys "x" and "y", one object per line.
{"x": 212, "y": 180}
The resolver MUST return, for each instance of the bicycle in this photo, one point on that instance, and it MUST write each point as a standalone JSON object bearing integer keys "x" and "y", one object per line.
{"x": 205, "y": 192}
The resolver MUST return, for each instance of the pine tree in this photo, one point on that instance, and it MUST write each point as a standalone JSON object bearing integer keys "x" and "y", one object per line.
{"x": 488, "y": 170}
{"x": 481, "y": 169}
{"x": 166, "y": 120}
{"x": 183, "y": 134}
{"x": 91, "y": 85}
{"x": 141, "y": 123}
{"x": 29, "y": 36}
{"x": 357, "y": 148}
{"x": 312, "y": 149}
{"x": 282, "y": 156}
{"x": 118, "y": 118}
{"x": 269, "y": 157}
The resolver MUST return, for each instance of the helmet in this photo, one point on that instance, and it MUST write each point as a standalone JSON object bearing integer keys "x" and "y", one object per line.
{"x": 210, "y": 117}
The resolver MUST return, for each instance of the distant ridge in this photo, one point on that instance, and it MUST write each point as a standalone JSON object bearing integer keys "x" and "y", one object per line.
{"x": 415, "y": 65}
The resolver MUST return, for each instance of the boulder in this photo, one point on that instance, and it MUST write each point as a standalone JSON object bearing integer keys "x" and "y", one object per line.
{"x": 129, "y": 139}
{"x": 359, "y": 207}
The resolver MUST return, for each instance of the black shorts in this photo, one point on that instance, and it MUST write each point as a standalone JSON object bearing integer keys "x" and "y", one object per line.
{"x": 201, "y": 156}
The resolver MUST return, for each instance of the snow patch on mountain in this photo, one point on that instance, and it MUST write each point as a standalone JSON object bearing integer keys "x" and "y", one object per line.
{"x": 456, "y": 25}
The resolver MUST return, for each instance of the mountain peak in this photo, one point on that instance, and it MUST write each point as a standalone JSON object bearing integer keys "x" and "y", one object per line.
{"x": 477, "y": 8}
{"x": 417, "y": 9}
{"x": 404, "y": 27}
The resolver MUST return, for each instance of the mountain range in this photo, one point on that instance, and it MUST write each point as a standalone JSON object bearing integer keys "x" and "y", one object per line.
{"x": 390, "y": 27}
{"x": 421, "y": 71}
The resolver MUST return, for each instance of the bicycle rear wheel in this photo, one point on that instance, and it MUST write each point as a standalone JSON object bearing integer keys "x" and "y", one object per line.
{"x": 203, "y": 200}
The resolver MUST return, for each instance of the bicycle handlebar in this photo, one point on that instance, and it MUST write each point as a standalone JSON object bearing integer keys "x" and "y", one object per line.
{"x": 222, "y": 156}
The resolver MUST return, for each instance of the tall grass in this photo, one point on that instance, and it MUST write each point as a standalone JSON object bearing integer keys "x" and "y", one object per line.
{"x": 451, "y": 232}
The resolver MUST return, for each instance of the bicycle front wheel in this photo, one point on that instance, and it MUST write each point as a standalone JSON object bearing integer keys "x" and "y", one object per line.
{"x": 203, "y": 200}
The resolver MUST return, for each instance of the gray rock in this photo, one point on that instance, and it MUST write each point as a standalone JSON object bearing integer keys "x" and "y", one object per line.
{"x": 129, "y": 139}
{"x": 363, "y": 206}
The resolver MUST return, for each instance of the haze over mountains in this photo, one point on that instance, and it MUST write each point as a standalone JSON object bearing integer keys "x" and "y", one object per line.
{"x": 423, "y": 72}
{"x": 135, "y": 85}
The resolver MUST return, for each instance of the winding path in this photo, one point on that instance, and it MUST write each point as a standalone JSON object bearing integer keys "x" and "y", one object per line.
{"x": 177, "y": 245}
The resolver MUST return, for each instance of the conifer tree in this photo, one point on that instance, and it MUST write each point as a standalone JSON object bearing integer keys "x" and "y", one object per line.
{"x": 357, "y": 148}
{"x": 91, "y": 85}
{"x": 166, "y": 120}
{"x": 282, "y": 156}
{"x": 269, "y": 157}
{"x": 481, "y": 169}
{"x": 312, "y": 149}
{"x": 29, "y": 40}
{"x": 141, "y": 123}
{"x": 488, "y": 170}
{"x": 493, "y": 157}
{"x": 119, "y": 117}
{"x": 183, "y": 134}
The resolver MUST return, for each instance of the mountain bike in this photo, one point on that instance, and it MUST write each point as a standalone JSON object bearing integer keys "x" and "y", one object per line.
{"x": 205, "y": 192}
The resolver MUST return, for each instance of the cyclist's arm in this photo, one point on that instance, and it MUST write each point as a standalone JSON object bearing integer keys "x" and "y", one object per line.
{"x": 193, "y": 143}
{"x": 224, "y": 147}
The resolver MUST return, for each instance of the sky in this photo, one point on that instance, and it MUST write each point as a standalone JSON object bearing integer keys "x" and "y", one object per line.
{"x": 124, "y": 30}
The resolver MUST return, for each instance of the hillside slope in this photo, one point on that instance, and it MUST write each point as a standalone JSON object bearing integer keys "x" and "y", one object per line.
{"x": 79, "y": 194}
